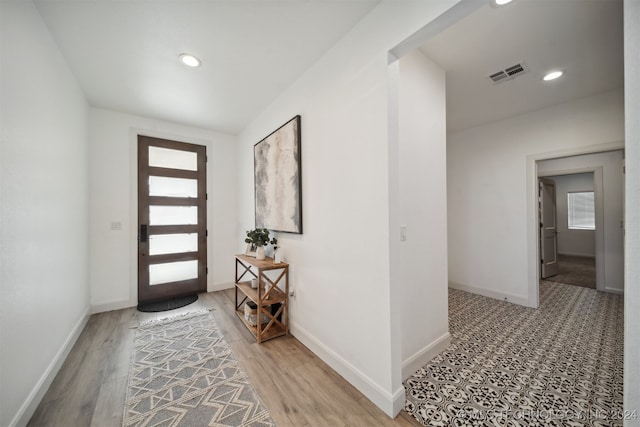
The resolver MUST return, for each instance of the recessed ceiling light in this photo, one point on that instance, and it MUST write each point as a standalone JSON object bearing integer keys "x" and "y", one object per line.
{"x": 189, "y": 60}
{"x": 552, "y": 75}
{"x": 501, "y": 2}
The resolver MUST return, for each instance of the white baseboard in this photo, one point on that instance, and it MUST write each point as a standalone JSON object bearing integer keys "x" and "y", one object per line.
{"x": 390, "y": 404}
{"x": 110, "y": 306}
{"x": 120, "y": 304}
{"x": 577, "y": 254}
{"x": 37, "y": 393}
{"x": 502, "y": 296}
{"x": 220, "y": 286}
{"x": 423, "y": 356}
{"x": 398, "y": 400}
{"x": 614, "y": 291}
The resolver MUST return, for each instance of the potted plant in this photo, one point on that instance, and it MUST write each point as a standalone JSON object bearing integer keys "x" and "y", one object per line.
{"x": 258, "y": 237}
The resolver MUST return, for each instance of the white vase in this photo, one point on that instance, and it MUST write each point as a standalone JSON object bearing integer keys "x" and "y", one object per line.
{"x": 260, "y": 253}
{"x": 277, "y": 257}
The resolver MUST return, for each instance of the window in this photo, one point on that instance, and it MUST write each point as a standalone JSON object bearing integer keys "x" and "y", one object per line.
{"x": 581, "y": 210}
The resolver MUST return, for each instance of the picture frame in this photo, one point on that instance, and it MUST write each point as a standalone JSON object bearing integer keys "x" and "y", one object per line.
{"x": 251, "y": 250}
{"x": 278, "y": 179}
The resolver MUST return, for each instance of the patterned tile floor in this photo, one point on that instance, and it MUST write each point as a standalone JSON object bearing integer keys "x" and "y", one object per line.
{"x": 509, "y": 365}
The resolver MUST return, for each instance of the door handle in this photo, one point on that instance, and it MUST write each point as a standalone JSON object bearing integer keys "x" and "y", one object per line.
{"x": 143, "y": 233}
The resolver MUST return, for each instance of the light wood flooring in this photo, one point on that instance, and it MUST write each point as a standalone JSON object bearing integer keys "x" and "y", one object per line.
{"x": 295, "y": 385}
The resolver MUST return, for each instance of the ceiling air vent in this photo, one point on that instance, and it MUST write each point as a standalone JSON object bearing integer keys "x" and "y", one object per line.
{"x": 508, "y": 73}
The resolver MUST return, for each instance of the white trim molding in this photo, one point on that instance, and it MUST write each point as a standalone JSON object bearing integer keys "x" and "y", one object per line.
{"x": 389, "y": 403}
{"x": 424, "y": 356}
{"x": 34, "y": 398}
{"x": 533, "y": 242}
{"x": 111, "y": 305}
{"x": 502, "y": 296}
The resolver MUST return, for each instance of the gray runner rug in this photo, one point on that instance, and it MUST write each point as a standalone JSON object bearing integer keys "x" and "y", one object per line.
{"x": 183, "y": 373}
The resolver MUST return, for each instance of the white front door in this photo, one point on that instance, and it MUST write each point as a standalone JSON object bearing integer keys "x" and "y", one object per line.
{"x": 548, "y": 228}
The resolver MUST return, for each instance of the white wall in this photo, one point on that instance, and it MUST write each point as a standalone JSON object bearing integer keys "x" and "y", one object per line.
{"x": 113, "y": 178}
{"x": 419, "y": 264}
{"x": 491, "y": 218}
{"x": 343, "y": 309}
{"x": 612, "y": 248}
{"x": 573, "y": 241}
{"x": 44, "y": 293}
{"x": 632, "y": 208}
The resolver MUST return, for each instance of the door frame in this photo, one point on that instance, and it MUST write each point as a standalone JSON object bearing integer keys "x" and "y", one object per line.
{"x": 134, "y": 132}
{"x": 533, "y": 224}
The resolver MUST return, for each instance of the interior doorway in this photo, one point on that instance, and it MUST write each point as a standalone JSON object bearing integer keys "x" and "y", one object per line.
{"x": 606, "y": 170}
{"x": 567, "y": 229}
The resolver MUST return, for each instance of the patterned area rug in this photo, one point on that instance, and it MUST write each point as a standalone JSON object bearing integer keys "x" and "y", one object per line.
{"x": 508, "y": 365}
{"x": 184, "y": 374}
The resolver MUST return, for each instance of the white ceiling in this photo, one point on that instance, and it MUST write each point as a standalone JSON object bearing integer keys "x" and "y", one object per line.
{"x": 125, "y": 53}
{"x": 583, "y": 37}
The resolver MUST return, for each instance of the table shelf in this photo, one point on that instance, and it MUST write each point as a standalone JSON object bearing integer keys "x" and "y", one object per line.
{"x": 266, "y": 334}
{"x": 267, "y": 293}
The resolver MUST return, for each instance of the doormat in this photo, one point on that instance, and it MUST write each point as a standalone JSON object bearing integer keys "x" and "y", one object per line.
{"x": 166, "y": 305}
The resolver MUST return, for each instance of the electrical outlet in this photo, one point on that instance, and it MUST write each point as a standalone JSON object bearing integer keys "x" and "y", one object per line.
{"x": 403, "y": 233}
{"x": 292, "y": 293}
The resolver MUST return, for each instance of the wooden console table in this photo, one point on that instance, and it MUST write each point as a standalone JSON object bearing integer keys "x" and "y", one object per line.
{"x": 264, "y": 296}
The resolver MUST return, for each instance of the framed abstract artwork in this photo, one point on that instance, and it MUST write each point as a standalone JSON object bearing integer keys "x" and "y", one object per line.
{"x": 278, "y": 179}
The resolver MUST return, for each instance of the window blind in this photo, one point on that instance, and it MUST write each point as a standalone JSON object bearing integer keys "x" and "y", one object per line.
{"x": 581, "y": 210}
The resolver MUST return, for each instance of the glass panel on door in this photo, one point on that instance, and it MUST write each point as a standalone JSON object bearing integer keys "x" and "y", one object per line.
{"x": 172, "y": 187}
{"x": 160, "y": 244}
{"x": 172, "y": 272}
{"x": 173, "y": 159}
{"x": 173, "y": 215}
